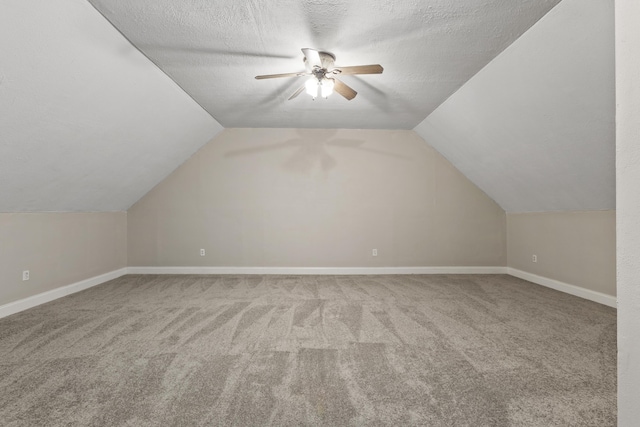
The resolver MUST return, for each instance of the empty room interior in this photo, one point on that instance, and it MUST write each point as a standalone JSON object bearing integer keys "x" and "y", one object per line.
{"x": 320, "y": 212}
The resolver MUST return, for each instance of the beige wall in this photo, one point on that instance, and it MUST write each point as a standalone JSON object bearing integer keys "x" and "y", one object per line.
{"x": 316, "y": 198}
{"x": 578, "y": 248}
{"x": 58, "y": 249}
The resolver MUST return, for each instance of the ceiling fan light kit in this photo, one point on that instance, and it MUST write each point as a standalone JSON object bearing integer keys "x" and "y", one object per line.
{"x": 323, "y": 86}
{"x": 320, "y": 66}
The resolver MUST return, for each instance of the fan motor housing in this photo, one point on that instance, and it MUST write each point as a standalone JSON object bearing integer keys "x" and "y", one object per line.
{"x": 327, "y": 59}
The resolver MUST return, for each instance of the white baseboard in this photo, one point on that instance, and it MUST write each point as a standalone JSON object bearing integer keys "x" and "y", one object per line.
{"x": 32, "y": 301}
{"x": 318, "y": 270}
{"x": 598, "y": 297}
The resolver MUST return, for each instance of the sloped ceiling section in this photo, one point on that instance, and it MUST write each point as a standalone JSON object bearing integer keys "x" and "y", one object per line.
{"x": 87, "y": 123}
{"x": 213, "y": 49}
{"x": 535, "y": 128}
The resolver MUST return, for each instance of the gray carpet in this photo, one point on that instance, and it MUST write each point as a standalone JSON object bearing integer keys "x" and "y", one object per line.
{"x": 436, "y": 350}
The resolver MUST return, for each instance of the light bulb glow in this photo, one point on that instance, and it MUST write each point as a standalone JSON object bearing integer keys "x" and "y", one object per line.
{"x": 312, "y": 87}
{"x": 326, "y": 87}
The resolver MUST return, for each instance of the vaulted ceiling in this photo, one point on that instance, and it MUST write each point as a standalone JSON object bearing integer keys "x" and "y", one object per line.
{"x": 428, "y": 49}
{"x": 94, "y": 112}
{"x": 87, "y": 123}
{"x": 535, "y": 129}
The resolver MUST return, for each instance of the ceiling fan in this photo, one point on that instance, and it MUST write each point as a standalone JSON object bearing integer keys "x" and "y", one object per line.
{"x": 323, "y": 82}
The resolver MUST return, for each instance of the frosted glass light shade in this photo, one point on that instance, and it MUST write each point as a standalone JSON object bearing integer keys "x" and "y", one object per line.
{"x": 326, "y": 87}
{"x": 312, "y": 87}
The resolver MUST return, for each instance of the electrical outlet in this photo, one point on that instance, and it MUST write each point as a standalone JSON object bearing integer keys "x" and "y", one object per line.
{"x": 25, "y": 275}
{"x": 374, "y": 252}
{"x": 202, "y": 252}
{"x": 534, "y": 258}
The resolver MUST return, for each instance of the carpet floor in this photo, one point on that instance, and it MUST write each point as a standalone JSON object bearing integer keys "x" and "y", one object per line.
{"x": 435, "y": 350}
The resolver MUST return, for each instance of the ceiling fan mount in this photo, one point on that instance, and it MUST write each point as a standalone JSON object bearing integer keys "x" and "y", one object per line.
{"x": 321, "y": 66}
{"x": 327, "y": 59}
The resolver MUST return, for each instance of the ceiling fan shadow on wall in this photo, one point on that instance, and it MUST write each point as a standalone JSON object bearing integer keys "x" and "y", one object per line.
{"x": 323, "y": 82}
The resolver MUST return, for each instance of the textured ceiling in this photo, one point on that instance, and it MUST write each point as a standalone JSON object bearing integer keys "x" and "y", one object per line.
{"x": 535, "y": 129}
{"x": 428, "y": 50}
{"x": 87, "y": 123}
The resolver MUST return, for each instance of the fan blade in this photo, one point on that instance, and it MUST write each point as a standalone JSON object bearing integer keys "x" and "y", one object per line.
{"x": 275, "y": 76}
{"x": 296, "y": 93}
{"x": 360, "y": 69}
{"x": 344, "y": 90}
{"x": 313, "y": 58}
